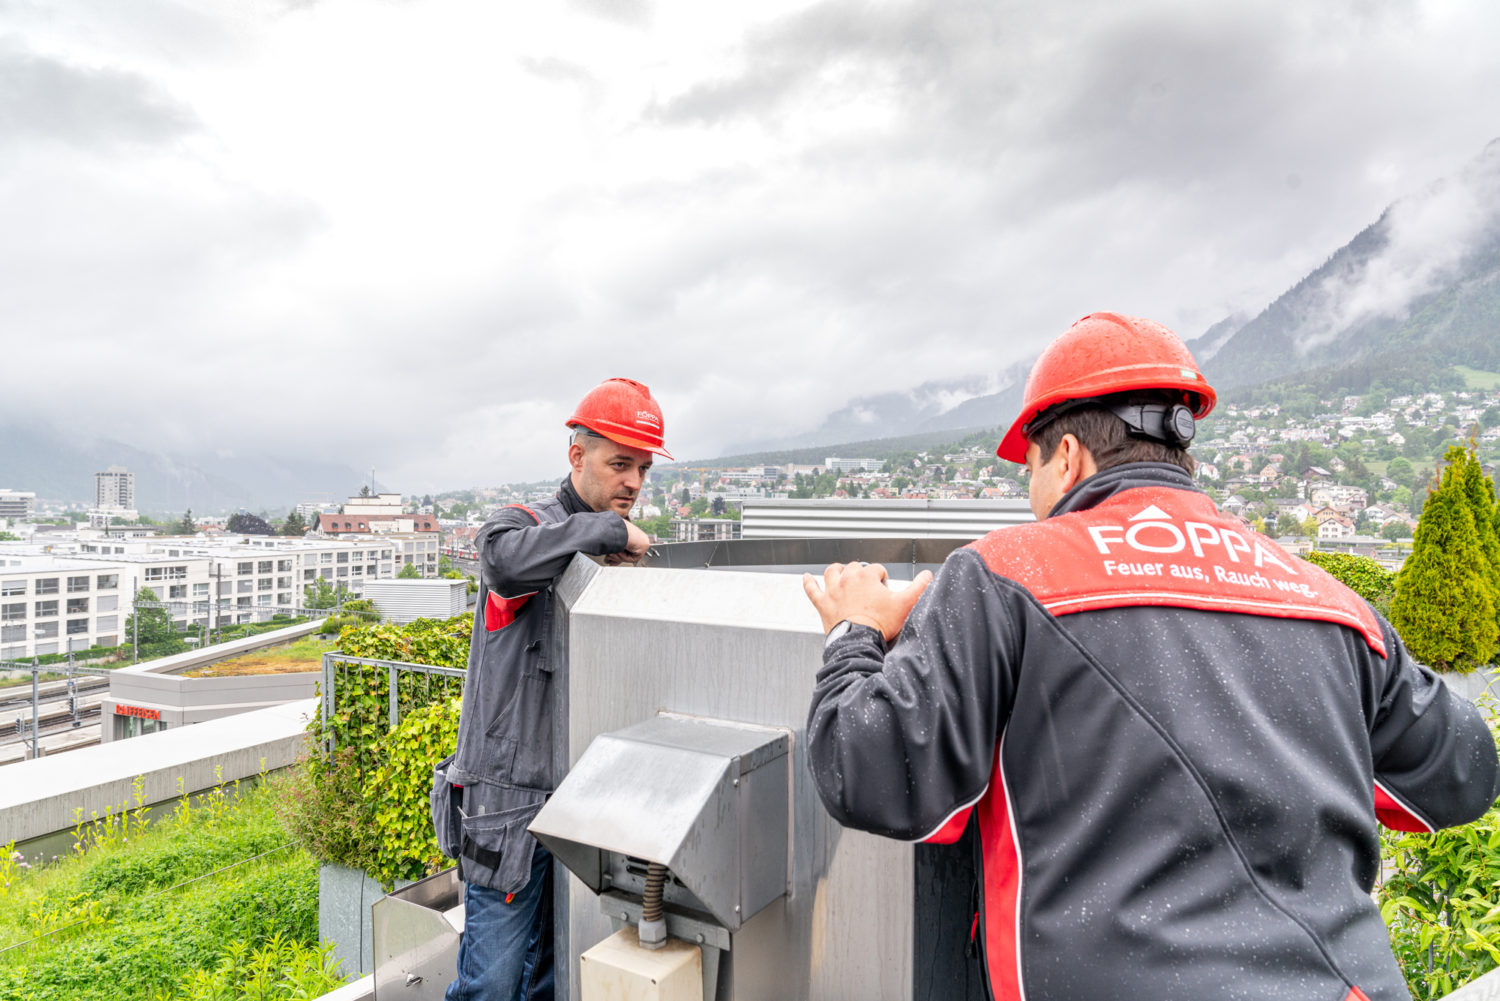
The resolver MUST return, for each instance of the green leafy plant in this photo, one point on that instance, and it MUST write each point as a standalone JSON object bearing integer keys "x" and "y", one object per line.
{"x": 282, "y": 968}
{"x": 7, "y": 867}
{"x": 134, "y": 917}
{"x": 1360, "y": 574}
{"x": 363, "y": 803}
{"x": 1440, "y": 898}
{"x": 326, "y": 810}
{"x": 398, "y": 797}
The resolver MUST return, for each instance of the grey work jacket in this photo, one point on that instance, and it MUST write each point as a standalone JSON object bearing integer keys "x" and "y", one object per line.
{"x": 488, "y": 791}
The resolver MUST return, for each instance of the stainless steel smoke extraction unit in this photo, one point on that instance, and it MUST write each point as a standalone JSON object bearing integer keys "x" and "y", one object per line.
{"x": 682, "y": 723}
{"x": 680, "y": 826}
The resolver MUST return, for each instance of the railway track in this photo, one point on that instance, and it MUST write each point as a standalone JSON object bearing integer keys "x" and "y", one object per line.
{"x": 56, "y": 721}
{"x": 17, "y": 698}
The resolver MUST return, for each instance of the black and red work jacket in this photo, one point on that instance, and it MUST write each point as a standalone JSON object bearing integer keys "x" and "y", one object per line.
{"x": 1175, "y": 739}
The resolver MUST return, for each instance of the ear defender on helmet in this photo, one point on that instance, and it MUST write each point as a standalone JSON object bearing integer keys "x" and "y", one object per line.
{"x": 1169, "y": 423}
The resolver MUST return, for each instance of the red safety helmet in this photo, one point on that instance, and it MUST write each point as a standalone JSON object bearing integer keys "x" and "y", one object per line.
{"x": 1107, "y": 353}
{"x": 623, "y": 411}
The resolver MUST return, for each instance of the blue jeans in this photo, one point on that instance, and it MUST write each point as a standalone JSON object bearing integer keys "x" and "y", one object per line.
{"x": 505, "y": 953}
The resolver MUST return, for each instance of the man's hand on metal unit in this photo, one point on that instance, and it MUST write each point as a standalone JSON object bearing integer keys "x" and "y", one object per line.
{"x": 858, "y": 592}
{"x": 636, "y": 544}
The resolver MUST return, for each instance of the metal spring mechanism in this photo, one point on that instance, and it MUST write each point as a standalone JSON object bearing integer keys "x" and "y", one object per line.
{"x": 653, "y": 929}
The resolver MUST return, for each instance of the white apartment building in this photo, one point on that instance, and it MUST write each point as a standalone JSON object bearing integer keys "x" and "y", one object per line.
{"x": 115, "y": 487}
{"x": 309, "y": 509}
{"x": 377, "y": 504}
{"x": 78, "y": 589}
{"x": 51, "y": 604}
{"x": 338, "y": 561}
{"x": 833, "y": 464}
{"x": 256, "y": 577}
{"x": 114, "y": 496}
{"x": 17, "y": 504}
{"x": 253, "y": 577}
{"x": 415, "y": 548}
{"x": 181, "y": 581}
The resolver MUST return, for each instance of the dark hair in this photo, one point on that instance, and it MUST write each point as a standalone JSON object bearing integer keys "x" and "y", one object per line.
{"x": 1106, "y": 437}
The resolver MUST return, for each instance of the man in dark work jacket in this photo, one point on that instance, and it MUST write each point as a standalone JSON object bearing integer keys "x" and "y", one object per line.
{"x": 486, "y": 794}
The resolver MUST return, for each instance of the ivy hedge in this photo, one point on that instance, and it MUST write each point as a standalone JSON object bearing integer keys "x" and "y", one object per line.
{"x": 364, "y": 804}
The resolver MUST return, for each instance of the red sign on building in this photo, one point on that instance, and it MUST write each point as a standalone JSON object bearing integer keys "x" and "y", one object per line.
{"x": 143, "y": 713}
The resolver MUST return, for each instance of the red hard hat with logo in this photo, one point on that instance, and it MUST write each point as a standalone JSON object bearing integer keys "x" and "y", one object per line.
{"x": 1106, "y": 353}
{"x": 623, "y": 411}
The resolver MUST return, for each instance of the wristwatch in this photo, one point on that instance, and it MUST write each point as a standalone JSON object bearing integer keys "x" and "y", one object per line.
{"x": 837, "y": 633}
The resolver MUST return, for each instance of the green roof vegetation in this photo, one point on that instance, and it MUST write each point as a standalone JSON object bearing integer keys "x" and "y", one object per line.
{"x": 213, "y": 900}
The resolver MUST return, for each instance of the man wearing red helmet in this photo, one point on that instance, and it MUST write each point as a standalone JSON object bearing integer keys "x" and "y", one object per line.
{"x": 1170, "y": 740}
{"x": 488, "y": 791}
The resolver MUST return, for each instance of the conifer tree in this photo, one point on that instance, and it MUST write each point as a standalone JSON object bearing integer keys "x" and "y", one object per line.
{"x": 1443, "y": 607}
{"x": 1480, "y": 493}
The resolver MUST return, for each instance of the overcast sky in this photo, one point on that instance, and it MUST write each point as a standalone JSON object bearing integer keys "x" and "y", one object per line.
{"x": 424, "y": 229}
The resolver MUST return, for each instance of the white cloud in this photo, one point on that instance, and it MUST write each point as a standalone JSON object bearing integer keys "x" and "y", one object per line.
{"x": 1419, "y": 246}
{"x": 425, "y": 229}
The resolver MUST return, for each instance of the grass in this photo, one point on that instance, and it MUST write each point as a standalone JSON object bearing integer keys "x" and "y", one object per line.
{"x": 1477, "y": 378}
{"x": 6, "y": 683}
{"x": 303, "y": 655}
{"x": 145, "y": 909}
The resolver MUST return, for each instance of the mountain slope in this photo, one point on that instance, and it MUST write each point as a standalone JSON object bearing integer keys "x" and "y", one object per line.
{"x": 60, "y": 468}
{"x": 943, "y": 406}
{"x": 1421, "y": 282}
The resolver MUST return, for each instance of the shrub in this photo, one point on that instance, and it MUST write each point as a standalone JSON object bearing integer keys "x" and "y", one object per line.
{"x": 325, "y": 809}
{"x": 1360, "y": 574}
{"x": 336, "y": 624}
{"x": 361, "y": 696}
{"x": 1480, "y": 493}
{"x": 424, "y": 641}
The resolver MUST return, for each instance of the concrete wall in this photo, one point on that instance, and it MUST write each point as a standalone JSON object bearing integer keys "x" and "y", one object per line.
{"x": 39, "y": 797}
{"x": 159, "y": 684}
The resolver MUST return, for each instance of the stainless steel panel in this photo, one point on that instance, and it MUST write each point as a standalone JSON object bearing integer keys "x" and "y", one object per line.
{"x": 706, "y": 799}
{"x": 416, "y": 932}
{"x": 738, "y": 646}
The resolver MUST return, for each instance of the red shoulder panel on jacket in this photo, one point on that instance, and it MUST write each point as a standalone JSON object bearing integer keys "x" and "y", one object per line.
{"x": 528, "y": 510}
{"x": 1163, "y": 546}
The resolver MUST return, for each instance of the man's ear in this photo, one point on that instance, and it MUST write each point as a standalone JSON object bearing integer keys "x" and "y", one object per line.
{"x": 1072, "y": 453}
{"x": 576, "y": 452}
{"x": 1078, "y": 462}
